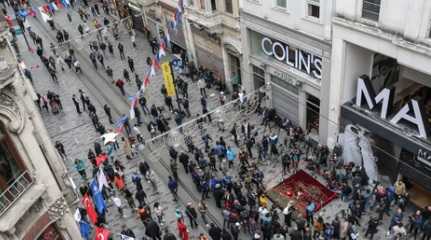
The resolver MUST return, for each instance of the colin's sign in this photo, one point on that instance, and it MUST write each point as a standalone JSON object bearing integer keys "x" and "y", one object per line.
{"x": 411, "y": 112}
{"x": 294, "y": 57}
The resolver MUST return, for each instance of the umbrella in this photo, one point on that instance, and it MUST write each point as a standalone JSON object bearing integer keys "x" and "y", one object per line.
{"x": 109, "y": 137}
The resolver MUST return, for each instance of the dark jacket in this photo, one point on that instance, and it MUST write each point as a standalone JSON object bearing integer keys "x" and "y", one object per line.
{"x": 152, "y": 229}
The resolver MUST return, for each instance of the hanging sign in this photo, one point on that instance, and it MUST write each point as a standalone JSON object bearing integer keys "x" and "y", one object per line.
{"x": 411, "y": 112}
{"x": 168, "y": 77}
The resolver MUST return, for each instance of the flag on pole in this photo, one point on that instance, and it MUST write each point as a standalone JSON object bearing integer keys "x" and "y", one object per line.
{"x": 43, "y": 14}
{"x": 97, "y": 197}
{"x": 102, "y": 233}
{"x": 65, "y": 3}
{"x": 77, "y": 215}
{"x": 120, "y": 123}
{"x": 100, "y": 159}
{"x": 84, "y": 229}
{"x": 88, "y": 204}
{"x": 101, "y": 179}
{"x": 53, "y": 6}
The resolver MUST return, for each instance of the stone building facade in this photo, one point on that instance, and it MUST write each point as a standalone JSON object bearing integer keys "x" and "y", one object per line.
{"x": 34, "y": 197}
{"x": 209, "y": 31}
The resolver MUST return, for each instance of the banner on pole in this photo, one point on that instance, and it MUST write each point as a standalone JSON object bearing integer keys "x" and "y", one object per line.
{"x": 169, "y": 78}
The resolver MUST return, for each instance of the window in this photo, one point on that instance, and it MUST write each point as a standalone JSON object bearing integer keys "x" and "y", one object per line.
{"x": 228, "y": 6}
{"x": 281, "y": 3}
{"x": 313, "y": 8}
{"x": 202, "y": 3}
{"x": 371, "y": 9}
{"x": 11, "y": 166}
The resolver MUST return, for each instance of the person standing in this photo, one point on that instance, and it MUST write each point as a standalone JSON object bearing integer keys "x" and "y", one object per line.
{"x": 202, "y": 85}
{"x": 60, "y": 149}
{"x": 80, "y": 168}
{"x": 76, "y": 103}
{"x": 109, "y": 72}
{"x": 203, "y": 209}
{"x": 108, "y": 113}
{"x": 143, "y": 103}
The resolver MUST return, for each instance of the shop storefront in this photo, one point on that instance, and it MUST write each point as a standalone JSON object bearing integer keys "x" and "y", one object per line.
{"x": 137, "y": 16}
{"x": 295, "y": 72}
{"x": 208, "y": 51}
{"x": 395, "y": 120}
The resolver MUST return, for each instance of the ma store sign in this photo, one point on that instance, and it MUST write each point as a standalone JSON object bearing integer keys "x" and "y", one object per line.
{"x": 411, "y": 112}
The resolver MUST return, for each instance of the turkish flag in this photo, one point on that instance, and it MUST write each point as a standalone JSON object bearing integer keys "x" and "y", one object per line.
{"x": 91, "y": 212}
{"x": 102, "y": 233}
{"x": 101, "y": 158}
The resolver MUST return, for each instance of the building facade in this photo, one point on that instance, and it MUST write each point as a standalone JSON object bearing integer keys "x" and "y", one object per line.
{"x": 34, "y": 199}
{"x": 287, "y": 45}
{"x": 380, "y": 86}
{"x": 208, "y": 31}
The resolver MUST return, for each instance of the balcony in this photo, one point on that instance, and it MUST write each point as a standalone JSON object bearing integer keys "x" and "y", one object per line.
{"x": 15, "y": 190}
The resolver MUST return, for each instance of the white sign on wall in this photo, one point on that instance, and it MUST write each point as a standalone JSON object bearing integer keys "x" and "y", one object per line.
{"x": 294, "y": 57}
{"x": 411, "y": 112}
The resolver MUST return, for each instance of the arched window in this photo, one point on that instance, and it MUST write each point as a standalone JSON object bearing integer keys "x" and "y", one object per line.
{"x": 11, "y": 165}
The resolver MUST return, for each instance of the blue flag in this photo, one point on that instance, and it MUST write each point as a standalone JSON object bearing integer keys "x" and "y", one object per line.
{"x": 84, "y": 229}
{"x": 97, "y": 197}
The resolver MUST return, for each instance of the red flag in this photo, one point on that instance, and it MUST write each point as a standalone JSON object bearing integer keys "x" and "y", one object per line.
{"x": 88, "y": 204}
{"x": 100, "y": 159}
{"x": 102, "y": 233}
{"x": 58, "y": 3}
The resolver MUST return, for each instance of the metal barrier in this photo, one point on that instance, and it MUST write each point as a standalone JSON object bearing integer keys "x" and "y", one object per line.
{"x": 18, "y": 187}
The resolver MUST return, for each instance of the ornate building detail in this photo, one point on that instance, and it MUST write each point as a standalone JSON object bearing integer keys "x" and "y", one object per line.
{"x": 9, "y": 108}
{"x": 58, "y": 209}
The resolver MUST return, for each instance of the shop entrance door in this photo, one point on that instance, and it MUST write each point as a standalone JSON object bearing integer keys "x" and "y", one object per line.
{"x": 235, "y": 70}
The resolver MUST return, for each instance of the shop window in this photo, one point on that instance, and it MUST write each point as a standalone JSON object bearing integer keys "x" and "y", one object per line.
{"x": 281, "y": 3}
{"x": 228, "y": 6}
{"x": 371, "y": 9}
{"x": 313, "y": 113}
{"x": 313, "y": 8}
{"x": 258, "y": 77}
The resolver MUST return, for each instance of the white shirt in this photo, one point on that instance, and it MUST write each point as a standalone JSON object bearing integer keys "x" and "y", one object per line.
{"x": 117, "y": 201}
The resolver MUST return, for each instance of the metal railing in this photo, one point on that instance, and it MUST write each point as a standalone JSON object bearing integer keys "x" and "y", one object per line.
{"x": 14, "y": 191}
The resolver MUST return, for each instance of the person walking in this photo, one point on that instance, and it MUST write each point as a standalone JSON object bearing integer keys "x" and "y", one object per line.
{"x": 203, "y": 209}
{"x": 131, "y": 63}
{"x": 126, "y": 75}
{"x": 100, "y": 58}
{"x": 215, "y": 232}
{"x": 108, "y": 113}
{"x": 120, "y": 48}
{"x": 152, "y": 230}
{"x": 76, "y": 103}
{"x": 173, "y": 187}
{"x": 192, "y": 215}
{"x": 120, "y": 84}
{"x": 182, "y": 229}
{"x": 110, "y": 48}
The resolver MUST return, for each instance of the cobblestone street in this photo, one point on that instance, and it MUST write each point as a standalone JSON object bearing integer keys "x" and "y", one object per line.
{"x": 78, "y": 134}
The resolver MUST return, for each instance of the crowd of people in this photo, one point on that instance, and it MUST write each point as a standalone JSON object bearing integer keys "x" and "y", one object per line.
{"x": 227, "y": 169}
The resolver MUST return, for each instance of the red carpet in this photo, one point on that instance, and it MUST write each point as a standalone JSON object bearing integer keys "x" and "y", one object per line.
{"x": 301, "y": 182}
